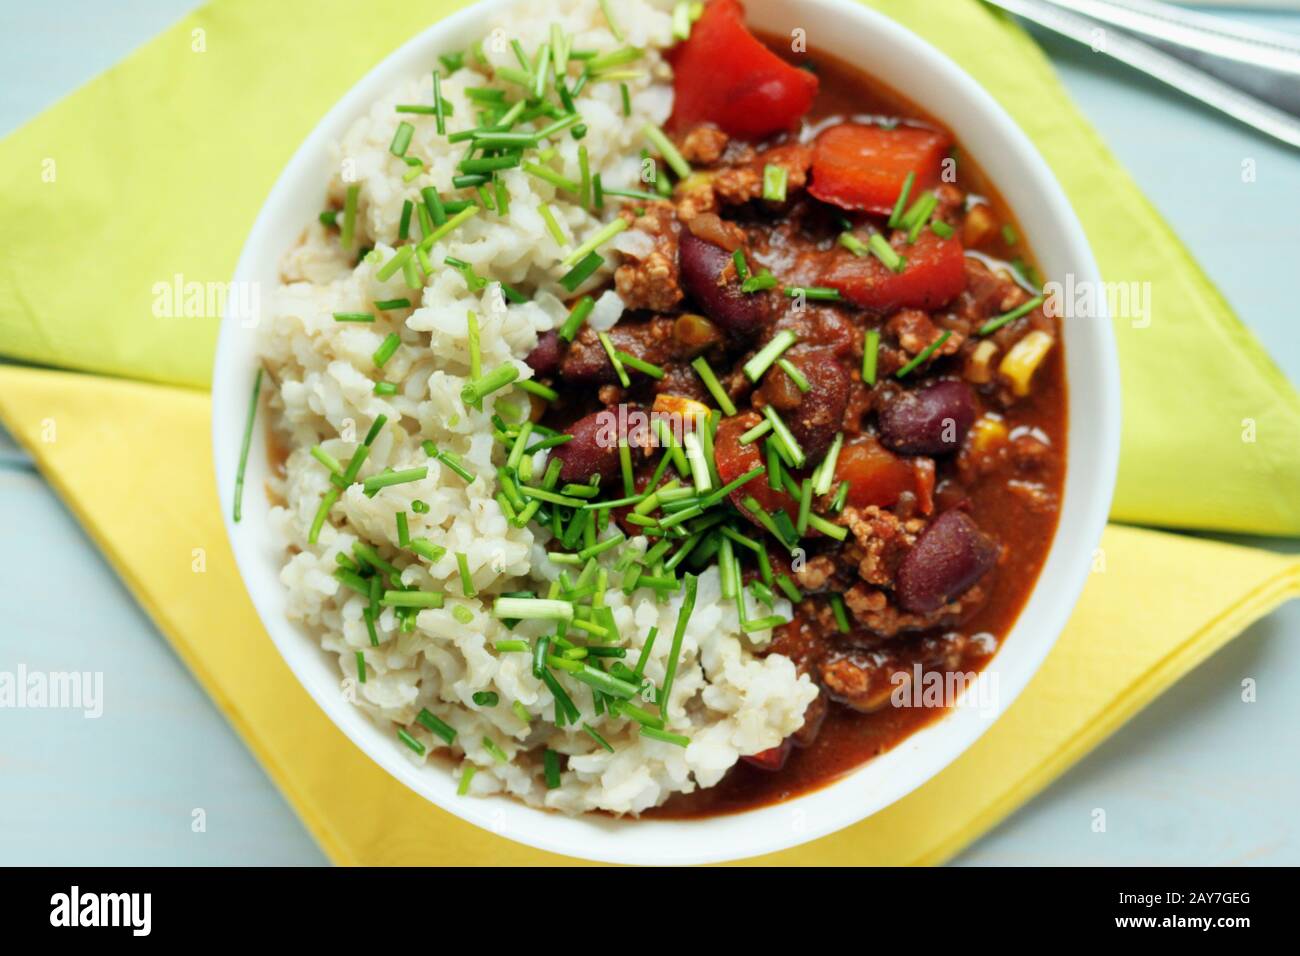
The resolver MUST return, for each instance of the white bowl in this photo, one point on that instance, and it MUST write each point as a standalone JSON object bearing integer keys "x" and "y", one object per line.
{"x": 898, "y": 57}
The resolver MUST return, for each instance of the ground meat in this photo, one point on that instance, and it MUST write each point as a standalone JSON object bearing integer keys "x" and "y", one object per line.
{"x": 703, "y": 145}
{"x": 876, "y": 612}
{"x": 880, "y": 539}
{"x": 815, "y": 573}
{"x": 867, "y": 679}
{"x": 740, "y": 184}
{"x": 651, "y": 283}
{"x": 915, "y": 332}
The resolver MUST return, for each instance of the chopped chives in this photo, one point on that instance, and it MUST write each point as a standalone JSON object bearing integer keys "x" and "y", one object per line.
{"x": 427, "y": 549}
{"x": 551, "y": 768}
{"x": 329, "y": 217}
{"x": 784, "y": 437}
{"x": 361, "y": 667}
{"x": 410, "y": 741}
{"x": 764, "y": 358}
{"x": 703, "y": 370}
{"x": 512, "y": 646}
{"x": 466, "y": 580}
{"x": 436, "y": 726}
{"x": 532, "y": 609}
{"x": 329, "y": 461}
{"x": 403, "y": 530}
{"x": 609, "y": 18}
{"x": 626, "y": 96}
{"x": 466, "y": 778}
{"x": 386, "y": 349}
{"x": 501, "y": 376}
{"x": 899, "y": 206}
{"x": 796, "y": 376}
{"x": 347, "y": 232}
{"x": 247, "y": 442}
{"x": 495, "y": 750}
{"x": 439, "y": 106}
{"x": 919, "y": 214}
{"x": 488, "y": 164}
{"x": 401, "y": 139}
{"x": 758, "y": 283}
{"x": 774, "y": 182}
{"x": 375, "y": 428}
{"x": 601, "y": 237}
{"x": 664, "y": 696}
{"x": 805, "y": 506}
{"x": 825, "y": 472}
{"x": 581, "y": 272}
{"x": 385, "y": 305}
{"x": 462, "y": 614}
{"x": 549, "y": 175}
{"x": 654, "y": 371}
{"x": 838, "y": 532}
{"x": 666, "y": 149}
{"x": 405, "y": 476}
{"x": 538, "y": 389}
{"x": 924, "y": 355}
{"x": 399, "y": 259}
{"x": 655, "y": 733}
{"x": 591, "y": 732}
{"x": 419, "y": 507}
{"x": 584, "y": 194}
{"x": 841, "y": 618}
{"x": 883, "y": 251}
{"x": 578, "y": 316}
{"x": 855, "y": 245}
{"x": 941, "y": 229}
{"x": 742, "y": 267}
{"x": 454, "y": 222}
{"x": 552, "y": 225}
{"x": 755, "y": 433}
{"x": 788, "y": 588}
{"x": 418, "y": 599}
{"x": 433, "y": 206}
{"x": 992, "y": 325}
{"x": 870, "y": 355}
{"x": 815, "y": 292}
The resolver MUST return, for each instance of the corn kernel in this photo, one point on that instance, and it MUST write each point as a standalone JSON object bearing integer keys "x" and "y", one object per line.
{"x": 1022, "y": 361}
{"x": 987, "y": 435}
{"x": 979, "y": 366}
{"x": 688, "y": 409}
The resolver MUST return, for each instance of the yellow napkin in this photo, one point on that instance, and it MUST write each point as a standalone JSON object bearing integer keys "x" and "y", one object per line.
{"x": 156, "y": 169}
{"x": 1138, "y": 628}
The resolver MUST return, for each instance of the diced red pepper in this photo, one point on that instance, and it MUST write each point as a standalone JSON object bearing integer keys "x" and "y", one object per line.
{"x": 865, "y": 167}
{"x": 934, "y": 276}
{"x": 773, "y": 758}
{"x": 724, "y": 75}
{"x": 876, "y": 476}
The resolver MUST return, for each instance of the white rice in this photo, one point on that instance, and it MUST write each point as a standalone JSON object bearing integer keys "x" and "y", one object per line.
{"x": 728, "y": 700}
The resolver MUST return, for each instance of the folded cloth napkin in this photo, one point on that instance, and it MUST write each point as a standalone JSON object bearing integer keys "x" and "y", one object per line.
{"x": 158, "y": 167}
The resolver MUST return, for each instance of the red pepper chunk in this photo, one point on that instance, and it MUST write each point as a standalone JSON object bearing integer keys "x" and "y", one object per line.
{"x": 935, "y": 275}
{"x": 865, "y": 167}
{"x": 772, "y": 759}
{"x": 735, "y": 459}
{"x": 724, "y": 75}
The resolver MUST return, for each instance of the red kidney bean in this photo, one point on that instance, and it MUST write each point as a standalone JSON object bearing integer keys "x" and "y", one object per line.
{"x": 930, "y": 421}
{"x": 816, "y": 415}
{"x": 950, "y": 556}
{"x": 701, "y": 263}
{"x": 545, "y": 357}
{"x": 594, "y": 449}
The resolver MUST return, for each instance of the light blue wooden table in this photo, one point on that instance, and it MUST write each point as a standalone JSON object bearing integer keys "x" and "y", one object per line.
{"x": 1200, "y": 777}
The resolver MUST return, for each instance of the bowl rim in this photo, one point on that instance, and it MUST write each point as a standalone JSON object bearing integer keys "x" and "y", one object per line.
{"x": 1091, "y": 360}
